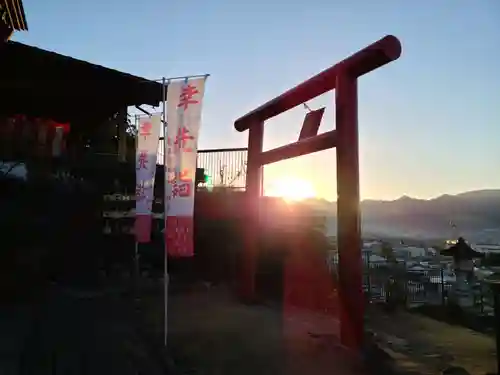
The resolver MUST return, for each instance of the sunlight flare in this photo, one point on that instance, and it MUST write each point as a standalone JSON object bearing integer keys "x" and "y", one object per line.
{"x": 291, "y": 189}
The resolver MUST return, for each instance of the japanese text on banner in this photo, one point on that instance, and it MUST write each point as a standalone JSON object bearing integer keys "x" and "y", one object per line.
{"x": 184, "y": 103}
{"x": 147, "y": 146}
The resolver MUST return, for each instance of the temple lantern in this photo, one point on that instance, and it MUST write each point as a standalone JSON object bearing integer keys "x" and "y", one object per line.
{"x": 463, "y": 255}
{"x": 463, "y": 264}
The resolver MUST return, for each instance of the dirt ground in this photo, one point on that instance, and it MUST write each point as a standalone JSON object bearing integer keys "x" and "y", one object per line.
{"x": 85, "y": 332}
{"x": 211, "y": 333}
{"x": 70, "y": 330}
{"x": 428, "y": 346}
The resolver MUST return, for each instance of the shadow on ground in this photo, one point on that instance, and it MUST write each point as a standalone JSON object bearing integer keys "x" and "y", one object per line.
{"x": 211, "y": 333}
{"x": 77, "y": 332}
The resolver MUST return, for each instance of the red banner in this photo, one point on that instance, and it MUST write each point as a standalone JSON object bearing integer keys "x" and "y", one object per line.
{"x": 179, "y": 236}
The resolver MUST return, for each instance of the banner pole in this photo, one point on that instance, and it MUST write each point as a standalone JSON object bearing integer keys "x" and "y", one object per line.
{"x": 136, "y": 248}
{"x": 136, "y": 271}
{"x": 180, "y": 77}
{"x": 165, "y": 201}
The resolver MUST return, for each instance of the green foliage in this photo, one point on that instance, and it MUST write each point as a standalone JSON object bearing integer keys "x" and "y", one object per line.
{"x": 388, "y": 251}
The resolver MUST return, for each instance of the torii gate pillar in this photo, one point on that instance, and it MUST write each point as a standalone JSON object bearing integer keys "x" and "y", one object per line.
{"x": 343, "y": 78}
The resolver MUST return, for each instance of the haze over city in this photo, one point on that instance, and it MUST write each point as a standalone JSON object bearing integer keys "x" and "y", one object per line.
{"x": 428, "y": 123}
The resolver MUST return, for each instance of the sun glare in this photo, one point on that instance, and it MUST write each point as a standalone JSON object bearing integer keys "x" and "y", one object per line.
{"x": 291, "y": 189}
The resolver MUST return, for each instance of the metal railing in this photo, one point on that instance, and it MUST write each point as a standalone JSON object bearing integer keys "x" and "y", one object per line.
{"x": 429, "y": 290}
{"x": 421, "y": 287}
{"x": 226, "y": 167}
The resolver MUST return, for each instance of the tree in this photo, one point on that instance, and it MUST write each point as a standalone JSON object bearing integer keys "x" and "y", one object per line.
{"x": 387, "y": 251}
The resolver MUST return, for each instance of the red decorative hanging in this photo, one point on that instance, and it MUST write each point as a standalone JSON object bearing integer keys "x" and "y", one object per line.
{"x": 43, "y": 137}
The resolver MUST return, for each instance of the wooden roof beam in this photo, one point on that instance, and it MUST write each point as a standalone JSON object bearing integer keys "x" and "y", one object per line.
{"x": 12, "y": 13}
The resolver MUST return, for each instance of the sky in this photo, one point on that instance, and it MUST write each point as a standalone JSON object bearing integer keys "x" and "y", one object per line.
{"x": 429, "y": 123}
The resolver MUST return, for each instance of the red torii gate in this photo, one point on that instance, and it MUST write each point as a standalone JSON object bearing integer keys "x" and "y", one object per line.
{"x": 343, "y": 78}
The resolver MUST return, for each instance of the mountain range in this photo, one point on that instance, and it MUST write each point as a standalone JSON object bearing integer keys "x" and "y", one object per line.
{"x": 473, "y": 214}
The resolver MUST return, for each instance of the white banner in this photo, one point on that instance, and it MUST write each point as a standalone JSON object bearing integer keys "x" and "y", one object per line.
{"x": 184, "y": 104}
{"x": 147, "y": 147}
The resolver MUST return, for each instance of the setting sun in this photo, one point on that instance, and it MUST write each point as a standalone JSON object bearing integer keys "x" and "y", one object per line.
{"x": 291, "y": 189}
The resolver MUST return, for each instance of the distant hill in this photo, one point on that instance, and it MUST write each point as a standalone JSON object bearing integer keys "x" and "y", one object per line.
{"x": 476, "y": 215}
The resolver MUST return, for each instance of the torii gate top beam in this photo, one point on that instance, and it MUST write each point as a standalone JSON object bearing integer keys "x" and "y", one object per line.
{"x": 364, "y": 61}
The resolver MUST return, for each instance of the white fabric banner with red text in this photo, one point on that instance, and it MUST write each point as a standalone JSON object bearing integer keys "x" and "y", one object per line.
{"x": 184, "y": 103}
{"x": 147, "y": 147}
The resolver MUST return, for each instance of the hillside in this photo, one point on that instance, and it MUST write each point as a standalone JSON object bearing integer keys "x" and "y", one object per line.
{"x": 476, "y": 215}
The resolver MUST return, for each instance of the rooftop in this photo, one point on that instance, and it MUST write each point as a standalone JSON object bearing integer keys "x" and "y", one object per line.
{"x": 46, "y": 84}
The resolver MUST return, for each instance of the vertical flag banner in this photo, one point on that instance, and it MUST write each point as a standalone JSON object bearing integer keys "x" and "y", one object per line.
{"x": 147, "y": 146}
{"x": 184, "y": 104}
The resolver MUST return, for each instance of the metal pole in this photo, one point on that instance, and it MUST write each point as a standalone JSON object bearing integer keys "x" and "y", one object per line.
{"x": 368, "y": 272}
{"x": 136, "y": 249}
{"x": 165, "y": 262}
{"x": 137, "y": 123}
{"x": 136, "y": 270}
{"x": 180, "y": 77}
{"x": 443, "y": 292}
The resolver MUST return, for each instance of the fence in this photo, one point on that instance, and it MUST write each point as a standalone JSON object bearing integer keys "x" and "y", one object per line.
{"x": 225, "y": 167}
{"x": 424, "y": 287}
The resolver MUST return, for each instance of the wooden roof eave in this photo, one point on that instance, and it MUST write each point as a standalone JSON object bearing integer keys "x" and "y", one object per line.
{"x": 15, "y": 16}
{"x": 56, "y": 60}
{"x": 66, "y": 79}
